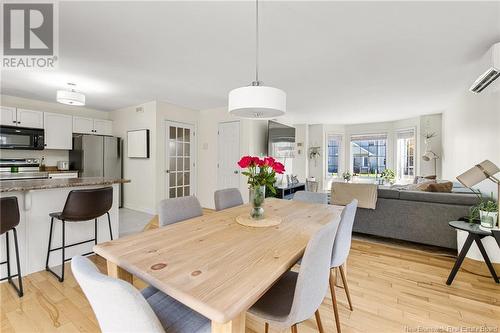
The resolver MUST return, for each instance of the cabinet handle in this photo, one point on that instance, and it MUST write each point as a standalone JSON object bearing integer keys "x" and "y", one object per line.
{"x": 15, "y": 122}
{"x": 18, "y": 122}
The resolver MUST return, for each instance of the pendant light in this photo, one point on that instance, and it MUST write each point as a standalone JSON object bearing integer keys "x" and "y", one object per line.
{"x": 70, "y": 97}
{"x": 257, "y": 100}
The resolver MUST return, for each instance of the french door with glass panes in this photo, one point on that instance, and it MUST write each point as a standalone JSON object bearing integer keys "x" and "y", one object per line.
{"x": 180, "y": 160}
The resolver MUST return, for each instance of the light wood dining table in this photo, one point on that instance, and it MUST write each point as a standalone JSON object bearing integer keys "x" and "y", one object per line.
{"x": 214, "y": 265}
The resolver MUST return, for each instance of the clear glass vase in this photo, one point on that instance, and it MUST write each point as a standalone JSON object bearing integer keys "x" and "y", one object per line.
{"x": 257, "y": 196}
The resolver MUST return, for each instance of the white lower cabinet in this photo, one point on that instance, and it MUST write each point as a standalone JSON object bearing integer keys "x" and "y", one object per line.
{"x": 58, "y": 131}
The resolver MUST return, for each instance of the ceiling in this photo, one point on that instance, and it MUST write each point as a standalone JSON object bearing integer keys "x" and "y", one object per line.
{"x": 339, "y": 62}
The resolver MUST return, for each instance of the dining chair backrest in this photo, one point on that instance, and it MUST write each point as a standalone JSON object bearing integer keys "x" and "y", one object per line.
{"x": 118, "y": 306}
{"x": 311, "y": 197}
{"x": 343, "y": 238}
{"x": 227, "y": 198}
{"x": 312, "y": 281}
{"x": 178, "y": 209}
{"x": 9, "y": 214}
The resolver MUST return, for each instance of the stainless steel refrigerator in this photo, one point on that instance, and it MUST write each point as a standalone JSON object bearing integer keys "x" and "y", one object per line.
{"x": 97, "y": 156}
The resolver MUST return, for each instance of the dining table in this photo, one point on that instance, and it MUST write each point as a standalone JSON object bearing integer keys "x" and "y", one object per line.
{"x": 214, "y": 265}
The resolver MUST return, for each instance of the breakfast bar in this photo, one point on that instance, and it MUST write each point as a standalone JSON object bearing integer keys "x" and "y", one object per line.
{"x": 38, "y": 198}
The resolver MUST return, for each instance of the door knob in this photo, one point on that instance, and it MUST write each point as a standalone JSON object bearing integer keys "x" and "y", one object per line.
{"x": 167, "y": 171}
{"x": 235, "y": 172}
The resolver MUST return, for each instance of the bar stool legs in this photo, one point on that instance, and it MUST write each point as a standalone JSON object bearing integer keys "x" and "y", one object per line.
{"x": 19, "y": 287}
{"x": 64, "y": 246}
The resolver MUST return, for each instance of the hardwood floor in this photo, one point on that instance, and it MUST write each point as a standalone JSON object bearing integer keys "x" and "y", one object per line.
{"x": 393, "y": 289}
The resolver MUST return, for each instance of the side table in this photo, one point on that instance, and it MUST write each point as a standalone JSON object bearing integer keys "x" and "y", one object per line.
{"x": 475, "y": 235}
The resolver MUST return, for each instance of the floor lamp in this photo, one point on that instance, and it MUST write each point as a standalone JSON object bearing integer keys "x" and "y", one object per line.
{"x": 431, "y": 156}
{"x": 484, "y": 170}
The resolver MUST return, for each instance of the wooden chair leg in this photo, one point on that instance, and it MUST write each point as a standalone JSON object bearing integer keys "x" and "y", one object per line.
{"x": 334, "y": 301}
{"x": 318, "y": 322}
{"x": 266, "y": 327}
{"x": 294, "y": 328}
{"x": 346, "y": 288}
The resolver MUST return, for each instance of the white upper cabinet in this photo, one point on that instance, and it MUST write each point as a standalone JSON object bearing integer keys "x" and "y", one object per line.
{"x": 21, "y": 117}
{"x": 83, "y": 125}
{"x": 58, "y": 131}
{"x": 92, "y": 126}
{"x": 8, "y": 116}
{"x": 103, "y": 127}
{"x": 29, "y": 118}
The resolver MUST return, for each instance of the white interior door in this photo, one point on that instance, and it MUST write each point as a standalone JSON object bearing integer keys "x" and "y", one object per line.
{"x": 180, "y": 160}
{"x": 228, "y": 172}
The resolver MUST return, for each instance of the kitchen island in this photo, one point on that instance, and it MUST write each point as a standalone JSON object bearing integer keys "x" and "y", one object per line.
{"x": 39, "y": 197}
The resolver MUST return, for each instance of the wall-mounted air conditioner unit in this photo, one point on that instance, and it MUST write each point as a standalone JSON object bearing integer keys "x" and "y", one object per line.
{"x": 490, "y": 63}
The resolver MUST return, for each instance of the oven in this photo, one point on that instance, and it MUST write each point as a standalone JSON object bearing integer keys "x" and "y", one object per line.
{"x": 21, "y": 138}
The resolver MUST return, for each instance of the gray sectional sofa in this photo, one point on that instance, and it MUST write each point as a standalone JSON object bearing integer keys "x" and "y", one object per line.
{"x": 415, "y": 216}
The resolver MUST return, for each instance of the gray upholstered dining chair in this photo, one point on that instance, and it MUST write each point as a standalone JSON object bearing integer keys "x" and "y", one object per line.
{"x": 341, "y": 248}
{"x": 119, "y": 307}
{"x": 311, "y": 197}
{"x": 227, "y": 198}
{"x": 295, "y": 297}
{"x": 178, "y": 209}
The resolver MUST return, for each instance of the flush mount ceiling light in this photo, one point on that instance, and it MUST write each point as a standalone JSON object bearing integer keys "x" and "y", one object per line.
{"x": 257, "y": 100}
{"x": 70, "y": 97}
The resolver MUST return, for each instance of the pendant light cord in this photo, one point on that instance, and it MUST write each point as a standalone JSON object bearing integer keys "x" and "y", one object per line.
{"x": 257, "y": 42}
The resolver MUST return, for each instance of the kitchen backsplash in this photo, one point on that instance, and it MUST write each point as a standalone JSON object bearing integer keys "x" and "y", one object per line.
{"x": 51, "y": 155}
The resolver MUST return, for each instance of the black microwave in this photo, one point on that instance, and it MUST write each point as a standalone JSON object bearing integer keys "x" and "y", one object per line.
{"x": 21, "y": 138}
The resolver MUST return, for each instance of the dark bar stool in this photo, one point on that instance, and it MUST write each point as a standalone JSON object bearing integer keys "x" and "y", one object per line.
{"x": 81, "y": 205}
{"x": 9, "y": 220}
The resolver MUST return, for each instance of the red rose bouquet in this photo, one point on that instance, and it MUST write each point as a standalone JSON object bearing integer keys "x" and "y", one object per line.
{"x": 261, "y": 172}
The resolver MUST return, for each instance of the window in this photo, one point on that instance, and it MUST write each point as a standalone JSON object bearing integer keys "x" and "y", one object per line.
{"x": 405, "y": 141}
{"x": 333, "y": 152}
{"x": 369, "y": 154}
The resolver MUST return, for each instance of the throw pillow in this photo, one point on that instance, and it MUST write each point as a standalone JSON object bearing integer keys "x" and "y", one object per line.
{"x": 421, "y": 179}
{"x": 423, "y": 186}
{"x": 440, "y": 187}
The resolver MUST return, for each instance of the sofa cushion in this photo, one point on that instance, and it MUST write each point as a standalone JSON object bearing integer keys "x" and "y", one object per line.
{"x": 445, "y": 198}
{"x": 388, "y": 193}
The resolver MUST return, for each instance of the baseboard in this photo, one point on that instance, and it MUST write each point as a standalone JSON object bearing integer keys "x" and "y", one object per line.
{"x": 148, "y": 210}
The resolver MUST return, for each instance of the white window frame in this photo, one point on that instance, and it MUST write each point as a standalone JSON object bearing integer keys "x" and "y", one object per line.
{"x": 387, "y": 151}
{"x": 327, "y": 176}
{"x": 399, "y": 178}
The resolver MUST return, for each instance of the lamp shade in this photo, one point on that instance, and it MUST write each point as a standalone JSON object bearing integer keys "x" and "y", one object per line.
{"x": 478, "y": 173}
{"x": 70, "y": 97}
{"x": 257, "y": 102}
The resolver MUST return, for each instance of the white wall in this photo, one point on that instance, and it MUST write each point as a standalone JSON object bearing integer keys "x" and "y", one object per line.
{"x": 301, "y": 161}
{"x": 140, "y": 193}
{"x": 51, "y": 155}
{"x": 430, "y": 124}
{"x": 148, "y": 184}
{"x": 252, "y": 142}
{"x": 471, "y": 133}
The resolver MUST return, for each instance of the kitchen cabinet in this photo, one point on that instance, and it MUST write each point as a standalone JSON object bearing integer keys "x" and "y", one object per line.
{"x": 21, "y": 117}
{"x": 8, "y": 116}
{"x": 29, "y": 118}
{"x": 84, "y": 125}
{"x": 58, "y": 131}
{"x": 103, "y": 127}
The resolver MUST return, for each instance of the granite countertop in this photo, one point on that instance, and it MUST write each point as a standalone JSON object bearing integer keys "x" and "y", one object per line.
{"x": 45, "y": 184}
